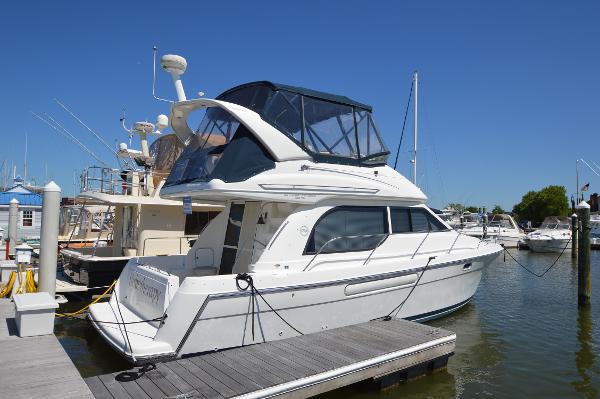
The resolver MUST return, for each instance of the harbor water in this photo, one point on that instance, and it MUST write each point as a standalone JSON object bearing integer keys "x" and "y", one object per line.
{"x": 520, "y": 336}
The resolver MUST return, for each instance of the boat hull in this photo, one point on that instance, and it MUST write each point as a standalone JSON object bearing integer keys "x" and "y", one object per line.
{"x": 93, "y": 271}
{"x": 548, "y": 245}
{"x": 229, "y": 317}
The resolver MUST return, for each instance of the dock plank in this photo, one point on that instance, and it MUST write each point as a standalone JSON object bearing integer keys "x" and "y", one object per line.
{"x": 100, "y": 391}
{"x": 113, "y": 386}
{"x": 300, "y": 366}
{"x": 214, "y": 383}
{"x": 149, "y": 387}
{"x": 202, "y": 387}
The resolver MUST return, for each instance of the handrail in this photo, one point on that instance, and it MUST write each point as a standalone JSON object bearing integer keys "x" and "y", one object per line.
{"x": 385, "y": 237}
{"x": 337, "y": 238}
{"x": 419, "y": 247}
{"x": 116, "y": 181}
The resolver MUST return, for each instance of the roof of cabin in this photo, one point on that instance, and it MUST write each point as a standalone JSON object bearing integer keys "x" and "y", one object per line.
{"x": 300, "y": 90}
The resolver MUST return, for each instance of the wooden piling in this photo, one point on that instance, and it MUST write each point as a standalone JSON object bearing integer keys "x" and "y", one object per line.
{"x": 574, "y": 236}
{"x": 584, "y": 287}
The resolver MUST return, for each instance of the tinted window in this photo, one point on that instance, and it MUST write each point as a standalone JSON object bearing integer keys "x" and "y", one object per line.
{"x": 400, "y": 220}
{"x": 356, "y": 229}
{"x": 419, "y": 221}
{"x": 415, "y": 220}
{"x": 197, "y": 221}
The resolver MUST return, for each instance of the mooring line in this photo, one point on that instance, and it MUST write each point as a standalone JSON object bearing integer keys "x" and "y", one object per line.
{"x": 525, "y": 267}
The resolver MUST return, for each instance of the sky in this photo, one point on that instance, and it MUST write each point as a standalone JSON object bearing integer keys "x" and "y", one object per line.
{"x": 509, "y": 91}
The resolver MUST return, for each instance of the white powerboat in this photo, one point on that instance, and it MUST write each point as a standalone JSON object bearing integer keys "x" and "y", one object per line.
{"x": 500, "y": 227}
{"x": 314, "y": 220}
{"x": 554, "y": 235}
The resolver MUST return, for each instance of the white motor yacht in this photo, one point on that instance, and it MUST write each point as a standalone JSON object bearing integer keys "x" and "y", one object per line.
{"x": 500, "y": 227}
{"x": 554, "y": 235}
{"x": 314, "y": 220}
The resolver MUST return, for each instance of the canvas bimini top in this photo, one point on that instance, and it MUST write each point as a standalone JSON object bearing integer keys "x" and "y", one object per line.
{"x": 329, "y": 128}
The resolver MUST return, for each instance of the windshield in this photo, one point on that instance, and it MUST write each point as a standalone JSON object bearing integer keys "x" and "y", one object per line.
{"x": 201, "y": 155}
{"x": 222, "y": 148}
{"x": 553, "y": 223}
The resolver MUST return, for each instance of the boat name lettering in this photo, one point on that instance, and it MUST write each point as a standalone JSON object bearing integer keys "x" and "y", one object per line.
{"x": 147, "y": 290}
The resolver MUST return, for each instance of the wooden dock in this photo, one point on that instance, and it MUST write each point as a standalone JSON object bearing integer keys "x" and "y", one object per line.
{"x": 385, "y": 352}
{"x": 35, "y": 367}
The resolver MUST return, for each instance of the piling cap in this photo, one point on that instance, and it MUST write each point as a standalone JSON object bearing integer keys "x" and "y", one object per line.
{"x": 14, "y": 201}
{"x": 53, "y": 187}
{"x": 583, "y": 205}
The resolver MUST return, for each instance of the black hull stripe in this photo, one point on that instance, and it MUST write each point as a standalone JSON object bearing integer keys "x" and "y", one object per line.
{"x": 438, "y": 312}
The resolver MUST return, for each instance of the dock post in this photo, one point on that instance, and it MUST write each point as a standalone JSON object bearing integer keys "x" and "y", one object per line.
{"x": 584, "y": 287}
{"x": 13, "y": 217}
{"x": 574, "y": 236}
{"x": 49, "y": 238}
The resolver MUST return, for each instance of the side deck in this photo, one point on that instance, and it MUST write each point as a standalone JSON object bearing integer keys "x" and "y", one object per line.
{"x": 382, "y": 351}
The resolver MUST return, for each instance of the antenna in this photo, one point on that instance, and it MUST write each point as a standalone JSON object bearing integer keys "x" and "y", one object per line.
{"x": 115, "y": 153}
{"x": 154, "y": 78}
{"x": 176, "y": 66}
{"x": 55, "y": 125}
{"x": 129, "y": 132}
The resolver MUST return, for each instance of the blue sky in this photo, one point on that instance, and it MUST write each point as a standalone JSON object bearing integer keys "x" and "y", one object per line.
{"x": 509, "y": 94}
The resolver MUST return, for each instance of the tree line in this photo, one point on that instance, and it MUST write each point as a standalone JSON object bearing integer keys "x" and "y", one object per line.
{"x": 534, "y": 205}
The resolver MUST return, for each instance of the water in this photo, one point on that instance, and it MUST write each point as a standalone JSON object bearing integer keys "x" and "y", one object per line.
{"x": 521, "y": 336}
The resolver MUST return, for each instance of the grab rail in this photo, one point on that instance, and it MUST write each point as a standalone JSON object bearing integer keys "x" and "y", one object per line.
{"x": 350, "y": 237}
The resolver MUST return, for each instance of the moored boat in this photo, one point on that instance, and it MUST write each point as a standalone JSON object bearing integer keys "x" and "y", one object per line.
{"x": 317, "y": 231}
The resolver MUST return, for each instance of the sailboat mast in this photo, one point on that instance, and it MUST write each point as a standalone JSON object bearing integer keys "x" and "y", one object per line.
{"x": 416, "y": 126}
{"x": 577, "y": 181}
{"x": 25, "y": 161}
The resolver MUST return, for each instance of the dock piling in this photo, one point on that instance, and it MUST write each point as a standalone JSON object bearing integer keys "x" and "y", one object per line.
{"x": 574, "y": 236}
{"x": 13, "y": 216}
{"x": 584, "y": 287}
{"x": 49, "y": 238}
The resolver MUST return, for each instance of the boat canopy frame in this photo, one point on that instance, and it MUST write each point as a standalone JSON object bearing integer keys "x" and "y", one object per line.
{"x": 330, "y": 128}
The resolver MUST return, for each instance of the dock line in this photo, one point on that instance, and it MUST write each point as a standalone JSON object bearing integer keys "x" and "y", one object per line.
{"x": 525, "y": 267}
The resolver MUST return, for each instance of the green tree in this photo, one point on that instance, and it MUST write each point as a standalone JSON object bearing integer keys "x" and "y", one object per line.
{"x": 456, "y": 206}
{"x": 549, "y": 201}
{"x": 472, "y": 209}
{"x": 497, "y": 209}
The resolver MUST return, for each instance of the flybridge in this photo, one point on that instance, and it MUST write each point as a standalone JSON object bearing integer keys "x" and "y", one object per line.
{"x": 331, "y": 128}
{"x": 274, "y": 123}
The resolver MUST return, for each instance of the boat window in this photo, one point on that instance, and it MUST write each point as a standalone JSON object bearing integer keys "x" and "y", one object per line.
{"x": 348, "y": 228}
{"x": 329, "y": 128}
{"x": 416, "y": 220}
{"x": 369, "y": 141}
{"x": 400, "y": 218}
{"x": 284, "y": 113}
{"x": 232, "y": 236}
{"x": 197, "y": 221}
{"x": 220, "y": 137}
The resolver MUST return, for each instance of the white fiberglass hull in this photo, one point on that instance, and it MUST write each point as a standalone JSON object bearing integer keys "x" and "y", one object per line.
{"x": 548, "y": 244}
{"x": 506, "y": 239}
{"x": 211, "y": 313}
